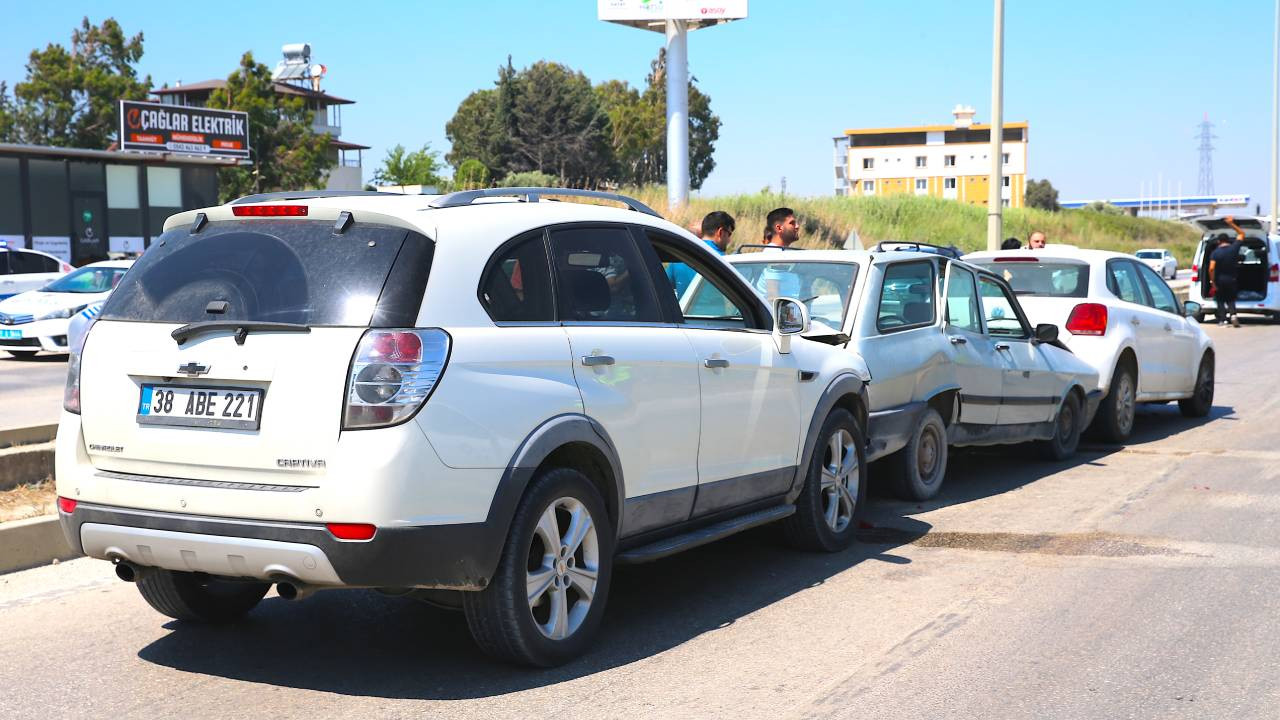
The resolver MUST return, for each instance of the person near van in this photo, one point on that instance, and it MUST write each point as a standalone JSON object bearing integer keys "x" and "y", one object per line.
{"x": 1036, "y": 240}
{"x": 716, "y": 230}
{"x": 1224, "y": 274}
{"x": 781, "y": 231}
{"x": 1012, "y": 243}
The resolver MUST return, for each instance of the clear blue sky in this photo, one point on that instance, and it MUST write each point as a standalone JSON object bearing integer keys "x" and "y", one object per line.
{"x": 1113, "y": 90}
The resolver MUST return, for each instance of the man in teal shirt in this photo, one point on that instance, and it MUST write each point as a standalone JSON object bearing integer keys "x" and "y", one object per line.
{"x": 717, "y": 229}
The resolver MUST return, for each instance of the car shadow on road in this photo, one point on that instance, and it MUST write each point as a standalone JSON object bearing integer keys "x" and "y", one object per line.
{"x": 362, "y": 643}
{"x": 981, "y": 472}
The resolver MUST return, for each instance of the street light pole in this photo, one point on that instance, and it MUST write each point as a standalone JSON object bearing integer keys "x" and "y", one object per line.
{"x": 1275, "y": 127}
{"x": 994, "y": 206}
{"x": 677, "y": 113}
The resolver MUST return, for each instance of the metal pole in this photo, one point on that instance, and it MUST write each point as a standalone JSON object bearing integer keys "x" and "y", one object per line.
{"x": 677, "y": 113}
{"x": 994, "y": 206}
{"x": 1275, "y": 127}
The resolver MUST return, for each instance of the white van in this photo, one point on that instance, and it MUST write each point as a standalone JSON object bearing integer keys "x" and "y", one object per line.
{"x": 1259, "y": 267}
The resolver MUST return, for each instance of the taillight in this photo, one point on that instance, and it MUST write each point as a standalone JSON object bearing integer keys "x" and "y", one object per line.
{"x": 1275, "y": 273}
{"x": 1088, "y": 319}
{"x": 269, "y": 210}
{"x": 71, "y": 392}
{"x": 66, "y": 505}
{"x": 392, "y": 374}
{"x": 352, "y": 531}
{"x": 1195, "y": 273}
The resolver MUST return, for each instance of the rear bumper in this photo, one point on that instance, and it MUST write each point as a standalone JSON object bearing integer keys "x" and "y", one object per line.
{"x": 460, "y": 557}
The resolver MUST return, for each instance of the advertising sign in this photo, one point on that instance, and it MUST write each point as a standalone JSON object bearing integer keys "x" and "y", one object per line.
{"x": 631, "y": 10}
{"x": 154, "y": 127}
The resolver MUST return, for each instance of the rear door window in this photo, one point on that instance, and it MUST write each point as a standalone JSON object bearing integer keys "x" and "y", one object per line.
{"x": 906, "y": 297}
{"x": 600, "y": 276}
{"x": 962, "y": 301}
{"x": 517, "y": 285}
{"x": 267, "y": 271}
{"x": 29, "y": 262}
{"x": 1123, "y": 280}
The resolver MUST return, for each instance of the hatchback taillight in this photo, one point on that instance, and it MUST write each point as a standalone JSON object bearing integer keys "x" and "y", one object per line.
{"x": 392, "y": 374}
{"x": 1195, "y": 273}
{"x": 1088, "y": 319}
{"x": 1275, "y": 273}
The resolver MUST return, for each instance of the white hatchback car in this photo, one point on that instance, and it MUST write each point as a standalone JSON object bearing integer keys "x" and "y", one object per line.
{"x": 39, "y": 319}
{"x": 474, "y": 392}
{"x": 953, "y": 360}
{"x": 22, "y": 270}
{"x": 1121, "y": 318}
{"x": 1259, "y": 281}
{"x": 1160, "y": 260}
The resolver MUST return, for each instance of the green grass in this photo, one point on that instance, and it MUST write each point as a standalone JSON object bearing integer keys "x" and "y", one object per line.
{"x": 826, "y": 222}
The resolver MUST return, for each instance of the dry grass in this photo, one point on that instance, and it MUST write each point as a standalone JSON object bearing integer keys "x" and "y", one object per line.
{"x": 27, "y": 501}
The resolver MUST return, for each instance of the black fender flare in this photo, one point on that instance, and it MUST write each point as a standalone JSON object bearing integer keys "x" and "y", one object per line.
{"x": 842, "y": 385}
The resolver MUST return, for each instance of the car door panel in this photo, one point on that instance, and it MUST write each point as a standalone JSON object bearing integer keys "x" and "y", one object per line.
{"x": 978, "y": 368}
{"x": 1028, "y": 393}
{"x": 1178, "y": 339}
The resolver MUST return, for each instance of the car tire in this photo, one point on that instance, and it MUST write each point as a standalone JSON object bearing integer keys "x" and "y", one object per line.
{"x": 919, "y": 468}
{"x": 23, "y": 354}
{"x": 1201, "y": 400}
{"x": 1200, "y": 318}
{"x": 197, "y": 597}
{"x": 556, "y": 626}
{"x": 831, "y": 501}
{"x": 1114, "y": 421}
{"x": 1066, "y": 430}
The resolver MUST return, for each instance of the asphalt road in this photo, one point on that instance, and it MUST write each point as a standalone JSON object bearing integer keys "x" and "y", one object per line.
{"x": 1128, "y": 582}
{"x": 31, "y": 390}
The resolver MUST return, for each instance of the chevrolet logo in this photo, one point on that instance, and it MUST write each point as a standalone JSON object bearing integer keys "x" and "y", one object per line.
{"x": 193, "y": 369}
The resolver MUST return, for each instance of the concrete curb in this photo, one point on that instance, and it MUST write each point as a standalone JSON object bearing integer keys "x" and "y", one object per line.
{"x": 11, "y": 437}
{"x": 25, "y": 464}
{"x": 32, "y": 542}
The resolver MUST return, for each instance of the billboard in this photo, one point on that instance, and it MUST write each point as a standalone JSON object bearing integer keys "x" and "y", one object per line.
{"x": 153, "y": 127}
{"x": 632, "y": 10}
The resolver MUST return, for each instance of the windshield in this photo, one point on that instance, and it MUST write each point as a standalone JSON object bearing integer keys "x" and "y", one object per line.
{"x": 1045, "y": 279}
{"x": 822, "y": 286}
{"x": 261, "y": 271}
{"x": 88, "y": 280}
{"x": 1150, "y": 254}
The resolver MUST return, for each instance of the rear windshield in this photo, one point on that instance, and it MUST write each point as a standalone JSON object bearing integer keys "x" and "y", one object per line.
{"x": 1045, "y": 279}
{"x": 264, "y": 270}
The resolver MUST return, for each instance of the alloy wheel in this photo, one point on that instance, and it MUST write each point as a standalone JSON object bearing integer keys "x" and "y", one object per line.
{"x": 840, "y": 480}
{"x": 1125, "y": 405}
{"x": 562, "y": 569}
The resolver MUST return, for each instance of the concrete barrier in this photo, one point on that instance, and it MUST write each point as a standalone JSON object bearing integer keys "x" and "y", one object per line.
{"x": 25, "y": 464}
{"x": 28, "y": 543}
{"x": 32, "y": 435}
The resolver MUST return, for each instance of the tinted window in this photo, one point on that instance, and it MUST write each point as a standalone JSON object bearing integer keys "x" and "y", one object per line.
{"x": 600, "y": 276}
{"x": 1122, "y": 279}
{"x": 517, "y": 285}
{"x": 1150, "y": 254}
{"x": 1046, "y": 279}
{"x": 27, "y": 262}
{"x": 1161, "y": 296}
{"x": 907, "y": 296}
{"x": 962, "y": 301}
{"x": 822, "y": 286}
{"x": 272, "y": 271}
{"x": 999, "y": 308}
{"x": 87, "y": 280}
{"x": 707, "y": 300}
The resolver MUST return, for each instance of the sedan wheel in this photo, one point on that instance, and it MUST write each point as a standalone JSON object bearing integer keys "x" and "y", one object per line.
{"x": 1201, "y": 400}
{"x": 918, "y": 468}
{"x": 1114, "y": 422}
{"x": 1066, "y": 431}
{"x": 831, "y": 498}
{"x": 840, "y": 473}
{"x": 564, "y": 562}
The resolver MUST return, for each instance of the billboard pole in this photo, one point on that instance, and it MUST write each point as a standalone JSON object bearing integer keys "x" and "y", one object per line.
{"x": 1275, "y": 127}
{"x": 677, "y": 113}
{"x": 995, "y": 209}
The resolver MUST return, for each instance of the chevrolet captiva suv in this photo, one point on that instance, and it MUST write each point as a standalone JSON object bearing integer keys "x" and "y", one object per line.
{"x": 478, "y": 399}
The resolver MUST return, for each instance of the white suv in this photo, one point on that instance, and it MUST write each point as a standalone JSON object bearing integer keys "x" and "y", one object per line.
{"x": 474, "y": 392}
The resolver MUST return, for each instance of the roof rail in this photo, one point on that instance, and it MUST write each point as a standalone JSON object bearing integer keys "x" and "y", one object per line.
{"x": 944, "y": 250}
{"x": 308, "y": 195}
{"x": 767, "y": 247}
{"x": 463, "y": 198}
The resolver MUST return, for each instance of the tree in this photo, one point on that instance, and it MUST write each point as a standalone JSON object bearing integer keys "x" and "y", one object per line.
{"x": 473, "y": 131}
{"x": 69, "y": 97}
{"x": 419, "y": 167}
{"x": 1041, "y": 194}
{"x": 529, "y": 178}
{"x": 287, "y": 153}
{"x": 470, "y": 175}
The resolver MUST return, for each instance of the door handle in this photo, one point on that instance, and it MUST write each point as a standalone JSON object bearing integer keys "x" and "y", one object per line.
{"x": 1135, "y": 321}
{"x": 1002, "y": 346}
{"x": 597, "y": 360}
{"x": 959, "y": 341}
{"x": 1168, "y": 327}
{"x": 713, "y": 363}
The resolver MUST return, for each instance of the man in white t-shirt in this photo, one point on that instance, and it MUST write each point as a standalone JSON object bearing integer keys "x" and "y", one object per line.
{"x": 781, "y": 232}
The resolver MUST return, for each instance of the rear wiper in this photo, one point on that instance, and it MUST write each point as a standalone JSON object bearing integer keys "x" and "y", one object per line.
{"x": 242, "y": 328}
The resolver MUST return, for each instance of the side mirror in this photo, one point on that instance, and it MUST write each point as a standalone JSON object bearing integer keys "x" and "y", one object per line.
{"x": 1046, "y": 333}
{"x": 1191, "y": 308}
{"x": 790, "y": 317}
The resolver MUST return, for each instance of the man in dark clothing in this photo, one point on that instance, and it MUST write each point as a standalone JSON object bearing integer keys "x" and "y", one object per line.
{"x": 1224, "y": 274}
{"x": 1012, "y": 243}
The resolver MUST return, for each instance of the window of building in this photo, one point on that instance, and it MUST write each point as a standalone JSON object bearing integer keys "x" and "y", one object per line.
{"x": 949, "y": 183}
{"x": 1005, "y": 158}
{"x": 868, "y": 163}
{"x": 48, "y": 181}
{"x": 922, "y": 184}
{"x": 517, "y": 285}
{"x": 949, "y": 160}
{"x": 868, "y": 186}
{"x": 164, "y": 195}
{"x": 124, "y": 214}
{"x": 1005, "y": 180}
{"x": 921, "y": 161}
{"x": 11, "y": 202}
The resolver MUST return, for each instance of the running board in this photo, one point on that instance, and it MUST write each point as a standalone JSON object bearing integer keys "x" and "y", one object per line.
{"x": 702, "y": 536}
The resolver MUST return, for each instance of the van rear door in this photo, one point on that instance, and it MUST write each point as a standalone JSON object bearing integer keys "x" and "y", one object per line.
{"x": 274, "y": 310}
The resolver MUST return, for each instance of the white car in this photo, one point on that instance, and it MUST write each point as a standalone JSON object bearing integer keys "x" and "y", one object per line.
{"x": 1160, "y": 260}
{"x": 1121, "y": 318}
{"x": 39, "y": 319}
{"x": 967, "y": 371}
{"x": 1259, "y": 280}
{"x": 476, "y": 398}
{"x": 22, "y": 270}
